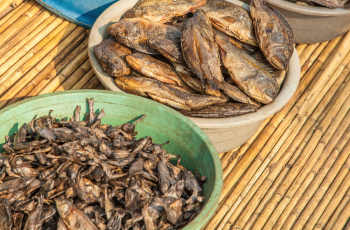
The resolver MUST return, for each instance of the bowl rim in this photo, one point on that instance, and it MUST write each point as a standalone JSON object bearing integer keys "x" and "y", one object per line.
{"x": 287, "y": 91}
{"x": 309, "y": 10}
{"x": 214, "y": 199}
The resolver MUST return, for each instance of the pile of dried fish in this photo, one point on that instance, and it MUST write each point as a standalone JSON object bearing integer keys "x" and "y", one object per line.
{"x": 81, "y": 175}
{"x": 205, "y": 58}
{"x": 332, "y": 4}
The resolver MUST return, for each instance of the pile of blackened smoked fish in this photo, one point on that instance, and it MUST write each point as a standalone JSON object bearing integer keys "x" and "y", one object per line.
{"x": 332, "y": 4}
{"x": 208, "y": 59}
{"x": 81, "y": 175}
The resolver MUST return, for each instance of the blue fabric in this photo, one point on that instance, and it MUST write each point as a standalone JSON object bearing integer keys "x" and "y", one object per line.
{"x": 82, "y": 12}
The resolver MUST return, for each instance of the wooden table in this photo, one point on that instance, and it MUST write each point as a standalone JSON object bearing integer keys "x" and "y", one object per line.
{"x": 292, "y": 174}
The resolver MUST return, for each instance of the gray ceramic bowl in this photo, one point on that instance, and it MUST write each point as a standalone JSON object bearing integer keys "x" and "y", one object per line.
{"x": 312, "y": 24}
{"x": 225, "y": 133}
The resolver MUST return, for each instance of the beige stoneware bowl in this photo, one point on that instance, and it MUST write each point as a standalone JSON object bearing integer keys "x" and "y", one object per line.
{"x": 225, "y": 133}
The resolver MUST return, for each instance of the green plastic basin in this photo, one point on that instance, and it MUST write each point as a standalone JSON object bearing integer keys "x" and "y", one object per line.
{"x": 161, "y": 123}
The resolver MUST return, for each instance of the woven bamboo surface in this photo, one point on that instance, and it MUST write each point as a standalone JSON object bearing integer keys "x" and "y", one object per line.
{"x": 292, "y": 174}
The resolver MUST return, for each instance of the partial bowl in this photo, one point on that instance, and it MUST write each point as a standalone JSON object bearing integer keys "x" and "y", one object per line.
{"x": 311, "y": 24}
{"x": 225, "y": 133}
{"x": 161, "y": 123}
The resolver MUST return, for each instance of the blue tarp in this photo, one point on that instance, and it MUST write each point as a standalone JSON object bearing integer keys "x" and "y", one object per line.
{"x": 82, "y": 12}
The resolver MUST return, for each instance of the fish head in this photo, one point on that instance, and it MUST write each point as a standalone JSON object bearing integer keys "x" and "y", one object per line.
{"x": 280, "y": 60}
{"x": 265, "y": 89}
{"x": 125, "y": 28}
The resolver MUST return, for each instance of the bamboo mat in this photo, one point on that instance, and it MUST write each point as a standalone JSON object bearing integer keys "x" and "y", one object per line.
{"x": 292, "y": 174}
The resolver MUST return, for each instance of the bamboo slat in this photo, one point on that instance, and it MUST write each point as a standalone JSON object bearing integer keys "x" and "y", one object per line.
{"x": 263, "y": 138}
{"x": 75, "y": 77}
{"x": 310, "y": 208}
{"x": 5, "y": 3}
{"x": 311, "y": 176}
{"x": 227, "y": 157}
{"x": 92, "y": 84}
{"x": 21, "y": 48}
{"x": 241, "y": 151}
{"x": 23, "y": 34}
{"x": 300, "y": 48}
{"x": 296, "y": 184}
{"x": 312, "y": 58}
{"x": 19, "y": 23}
{"x": 50, "y": 71}
{"x": 333, "y": 204}
{"x": 338, "y": 211}
{"x": 84, "y": 80}
{"x": 101, "y": 87}
{"x": 330, "y": 199}
{"x": 10, "y": 80}
{"x": 313, "y": 173}
{"x": 66, "y": 72}
{"x": 296, "y": 143}
{"x": 308, "y": 51}
{"x": 29, "y": 49}
{"x": 343, "y": 217}
{"x": 6, "y": 11}
{"x": 273, "y": 164}
{"x": 55, "y": 56}
{"x": 305, "y": 154}
{"x": 6, "y": 21}
{"x": 341, "y": 52}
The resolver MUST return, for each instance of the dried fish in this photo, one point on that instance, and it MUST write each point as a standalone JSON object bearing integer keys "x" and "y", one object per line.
{"x": 112, "y": 57}
{"x": 153, "y": 68}
{"x": 167, "y": 94}
{"x": 222, "y": 111}
{"x": 104, "y": 179}
{"x": 207, "y": 42}
{"x": 72, "y": 216}
{"x": 332, "y": 4}
{"x": 169, "y": 49}
{"x": 189, "y": 78}
{"x": 231, "y": 19}
{"x": 135, "y": 32}
{"x": 278, "y": 75}
{"x": 162, "y": 11}
{"x": 5, "y": 215}
{"x": 17, "y": 220}
{"x": 247, "y": 73}
{"x": 274, "y": 35}
{"x": 249, "y": 49}
{"x": 201, "y": 52}
{"x": 35, "y": 219}
{"x": 236, "y": 94}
